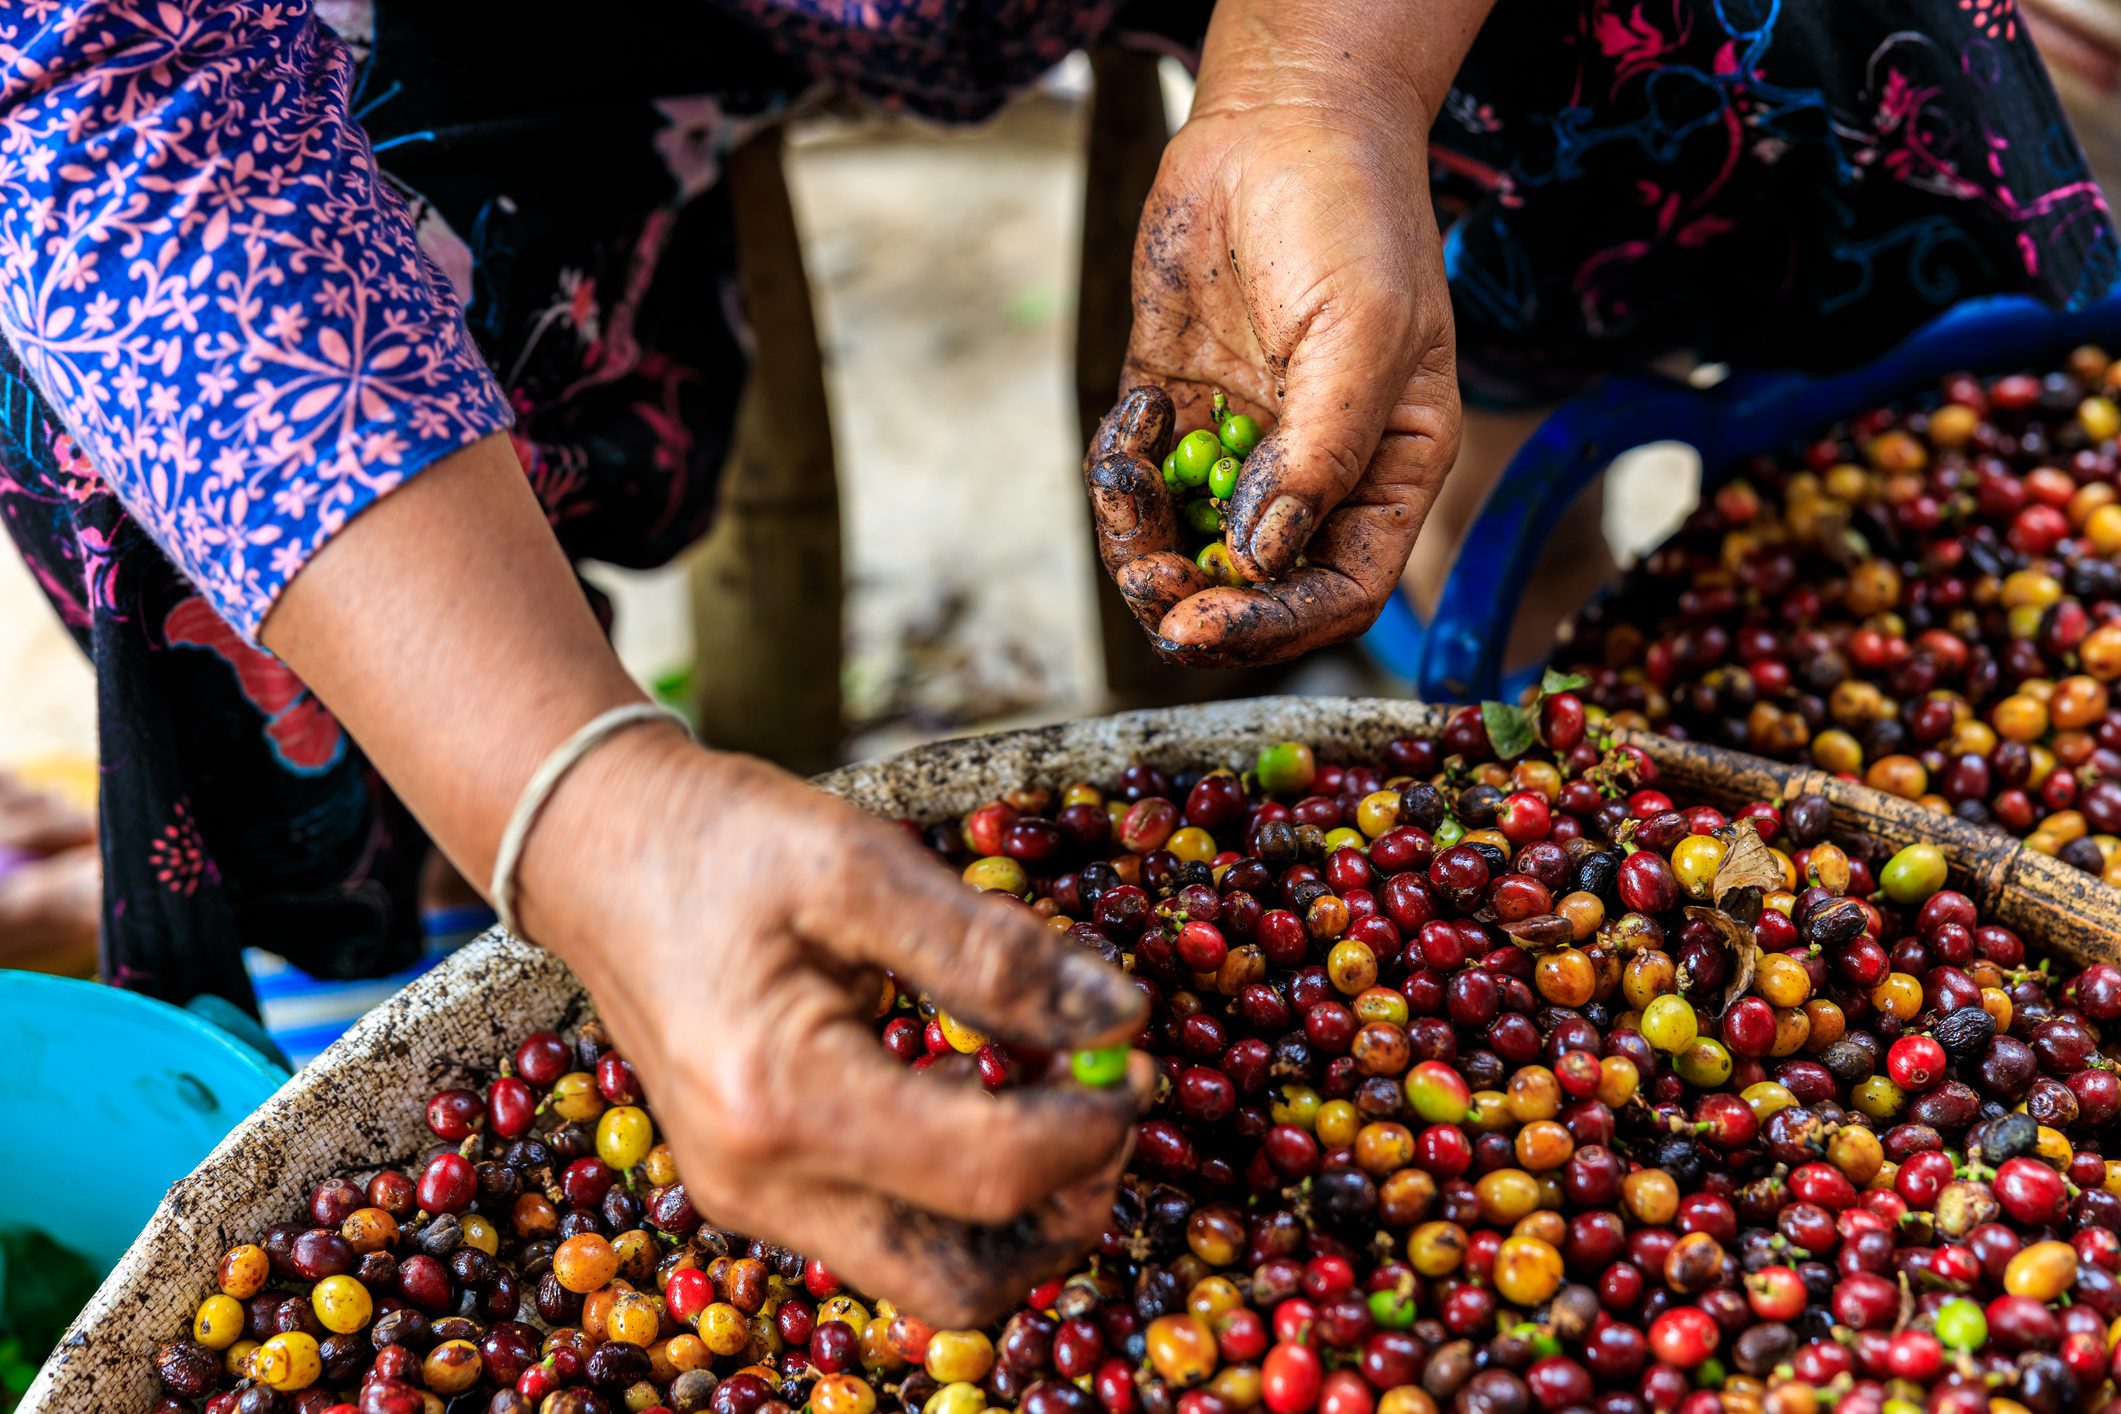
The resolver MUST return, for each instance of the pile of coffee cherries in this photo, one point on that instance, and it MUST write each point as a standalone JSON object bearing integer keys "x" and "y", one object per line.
{"x": 1201, "y": 472}
{"x": 1928, "y": 600}
{"x": 1491, "y": 1086}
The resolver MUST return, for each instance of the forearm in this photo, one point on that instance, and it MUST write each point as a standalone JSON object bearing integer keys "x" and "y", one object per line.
{"x": 1396, "y": 58}
{"x": 446, "y": 631}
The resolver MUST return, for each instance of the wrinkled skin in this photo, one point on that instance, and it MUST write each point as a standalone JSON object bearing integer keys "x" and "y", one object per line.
{"x": 1288, "y": 257}
{"x": 733, "y": 923}
{"x": 778, "y": 910}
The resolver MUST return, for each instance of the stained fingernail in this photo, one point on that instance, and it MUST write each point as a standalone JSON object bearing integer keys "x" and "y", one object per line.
{"x": 1283, "y": 528}
{"x": 1094, "y": 996}
{"x": 1117, "y": 512}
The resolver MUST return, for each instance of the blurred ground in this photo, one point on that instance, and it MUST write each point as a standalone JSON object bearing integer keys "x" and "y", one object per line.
{"x": 944, "y": 271}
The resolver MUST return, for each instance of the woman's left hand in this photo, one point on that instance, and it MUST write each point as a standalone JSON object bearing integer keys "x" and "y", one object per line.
{"x": 1289, "y": 257}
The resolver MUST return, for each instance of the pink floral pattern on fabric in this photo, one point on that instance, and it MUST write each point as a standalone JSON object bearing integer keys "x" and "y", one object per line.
{"x": 178, "y": 856}
{"x": 201, "y": 266}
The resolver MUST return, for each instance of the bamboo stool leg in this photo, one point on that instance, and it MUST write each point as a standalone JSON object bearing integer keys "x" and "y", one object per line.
{"x": 1124, "y": 143}
{"x": 768, "y": 581}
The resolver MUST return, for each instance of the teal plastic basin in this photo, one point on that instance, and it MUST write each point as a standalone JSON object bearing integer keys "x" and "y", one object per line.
{"x": 143, "y": 1089}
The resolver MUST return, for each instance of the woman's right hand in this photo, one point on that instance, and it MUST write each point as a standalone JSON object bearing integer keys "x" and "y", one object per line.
{"x": 732, "y": 923}
{"x": 735, "y": 925}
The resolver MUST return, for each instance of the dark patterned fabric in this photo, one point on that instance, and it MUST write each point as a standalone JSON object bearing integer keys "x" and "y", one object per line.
{"x": 260, "y": 264}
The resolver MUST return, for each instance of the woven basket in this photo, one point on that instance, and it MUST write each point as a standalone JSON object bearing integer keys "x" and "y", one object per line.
{"x": 360, "y": 1099}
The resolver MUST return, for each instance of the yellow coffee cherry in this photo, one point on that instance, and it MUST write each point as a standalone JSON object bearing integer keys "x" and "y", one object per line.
{"x": 625, "y": 1134}
{"x": 1527, "y": 1271}
{"x": 843, "y": 1394}
{"x": 1782, "y": 981}
{"x": 288, "y": 1362}
{"x": 634, "y": 1319}
{"x": 959, "y": 1357}
{"x": 724, "y": 1328}
{"x": 575, "y": 1097}
{"x": 1436, "y": 1249}
{"x": 2042, "y": 1271}
{"x": 451, "y": 1367}
{"x": 342, "y": 1304}
{"x": 480, "y": 1233}
{"x": 962, "y": 1038}
{"x": 1299, "y": 1105}
{"x": 960, "y": 1398}
{"x": 1695, "y": 860}
{"x": 219, "y": 1322}
{"x": 1344, "y": 837}
{"x": 1336, "y": 1124}
{"x": 2100, "y": 418}
{"x": 1192, "y": 845}
{"x": 1378, "y": 812}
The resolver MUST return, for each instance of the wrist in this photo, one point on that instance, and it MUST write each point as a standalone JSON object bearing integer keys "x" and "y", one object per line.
{"x": 603, "y": 823}
{"x": 1381, "y": 60}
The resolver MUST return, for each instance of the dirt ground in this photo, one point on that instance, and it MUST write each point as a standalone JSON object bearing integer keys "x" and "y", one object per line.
{"x": 944, "y": 268}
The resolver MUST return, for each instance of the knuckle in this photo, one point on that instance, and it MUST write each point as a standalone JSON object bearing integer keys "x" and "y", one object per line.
{"x": 999, "y": 1191}
{"x": 1341, "y": 462}
{"x": 958, "y": 1306}
{"x": 750, "y": 1124}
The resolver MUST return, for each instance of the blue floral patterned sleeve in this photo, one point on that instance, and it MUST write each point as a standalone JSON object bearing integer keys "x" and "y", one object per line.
{"x": 202, "y": 270}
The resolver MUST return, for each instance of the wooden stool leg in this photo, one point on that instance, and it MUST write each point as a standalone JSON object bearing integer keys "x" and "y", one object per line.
{"x": 1127, "y": 130}
{"x": 767, "y": 582}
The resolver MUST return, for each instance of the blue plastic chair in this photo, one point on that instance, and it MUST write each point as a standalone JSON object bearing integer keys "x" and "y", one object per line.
{"x": 1458, "y": 656}
{"x": 150, "y": 1087}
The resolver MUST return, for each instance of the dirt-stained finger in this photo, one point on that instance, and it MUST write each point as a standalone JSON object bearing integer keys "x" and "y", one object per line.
{"x": 1267, "y": 623}
{"x": 1133, "y": 513}
{"x": 953, "y": 1274}
{"x": 1139, "y": 425}
{"x": 988, "y": 960}
{"x": 1156, "y": 584}
{"x": 956, "y": 1148}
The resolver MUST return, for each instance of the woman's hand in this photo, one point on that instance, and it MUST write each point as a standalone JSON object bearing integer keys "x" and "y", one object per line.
{"x": 738, "y": 960}
{"x": 733, "y": 924}
{"x": 51, "y": 881}
{"x": 1288, "y": 256}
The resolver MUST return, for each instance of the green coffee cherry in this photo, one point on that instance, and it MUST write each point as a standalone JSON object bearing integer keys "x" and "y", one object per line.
{"x": 1203, "y": 518}
{"x": 1913, "y": 874}
{"x": 1102, "y": 1068}
{"x": 1962, "y": 1325}
{"x": 1214, "y": 558}
{"x": 1285, "y": 767}
{"x": 1222, "y": 478}
{"x": 1195, "y": 453}
{"x": 1240, "y": 434}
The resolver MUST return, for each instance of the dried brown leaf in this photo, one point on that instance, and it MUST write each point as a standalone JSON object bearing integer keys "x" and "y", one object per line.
{"x": 1748, "y": 874}
{"x": 1542, "y": 932}
{"x": 1739, "y": 941}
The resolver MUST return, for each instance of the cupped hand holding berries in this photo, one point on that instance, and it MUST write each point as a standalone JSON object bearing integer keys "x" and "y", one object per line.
{"x": 1288, "y": 257}
{"x": 738, "y": 962}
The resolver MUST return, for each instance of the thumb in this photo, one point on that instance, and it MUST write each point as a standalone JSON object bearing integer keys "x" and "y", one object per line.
{"x": 1342, "y": 382}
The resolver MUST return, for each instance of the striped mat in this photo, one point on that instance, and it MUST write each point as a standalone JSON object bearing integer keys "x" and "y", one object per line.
{"x": 304, "y": 1014}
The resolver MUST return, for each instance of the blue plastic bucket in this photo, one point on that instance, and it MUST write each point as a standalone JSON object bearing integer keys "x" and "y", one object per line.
{"x": 146, "y": 1087}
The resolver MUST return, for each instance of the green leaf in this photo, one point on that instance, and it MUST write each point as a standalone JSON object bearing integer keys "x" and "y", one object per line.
{"x": 1555, "y": 682}
{"x": 45, "y": 1287}
{"x": 1509, "y": 729}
